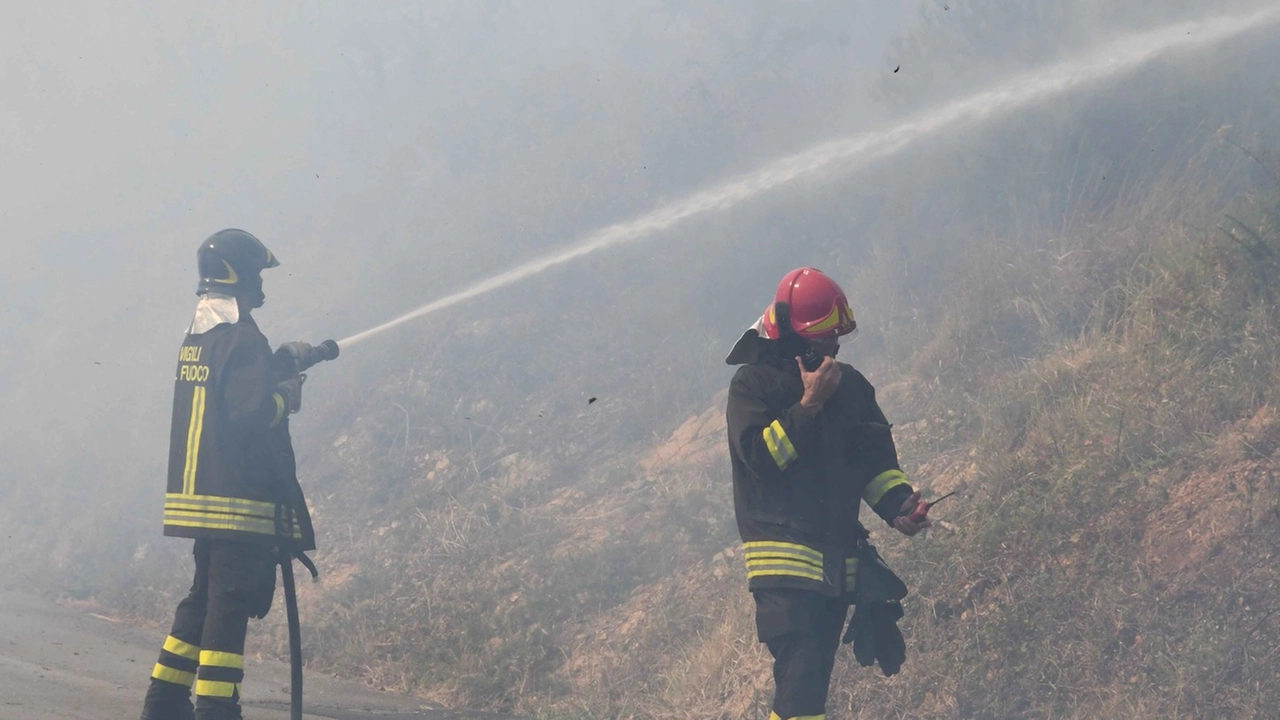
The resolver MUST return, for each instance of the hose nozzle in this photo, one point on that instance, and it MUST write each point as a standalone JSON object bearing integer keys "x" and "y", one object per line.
{"x": 295, "y": 357}
{"x": 327, "y": 350}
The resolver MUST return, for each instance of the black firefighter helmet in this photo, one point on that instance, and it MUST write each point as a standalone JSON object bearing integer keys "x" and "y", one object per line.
{"x": 231, "y": 262}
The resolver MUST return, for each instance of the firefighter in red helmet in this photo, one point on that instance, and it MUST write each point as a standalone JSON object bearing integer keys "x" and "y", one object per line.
{"x": 808, "y": 444}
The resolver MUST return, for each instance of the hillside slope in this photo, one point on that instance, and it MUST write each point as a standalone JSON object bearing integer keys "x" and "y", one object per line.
{"x": 1105, "y": 405}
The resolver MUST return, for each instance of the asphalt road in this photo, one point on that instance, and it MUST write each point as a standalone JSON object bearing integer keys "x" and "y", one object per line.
{"x": 61, "y": 664}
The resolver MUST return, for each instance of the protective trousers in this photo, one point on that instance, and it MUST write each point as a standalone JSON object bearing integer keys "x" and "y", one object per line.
{"x": 802, "y": 631}
{"x": 205, "y": 649}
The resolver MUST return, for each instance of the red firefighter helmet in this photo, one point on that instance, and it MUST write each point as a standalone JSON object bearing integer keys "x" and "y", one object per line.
{"x": 815, "y": 307}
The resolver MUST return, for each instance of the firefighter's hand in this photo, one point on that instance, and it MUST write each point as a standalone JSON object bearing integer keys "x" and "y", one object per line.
{"x": 904, "y": 523}
{"x": 293, "y": 355}
{"x": 291, "y": 391}
{"x": 820, "y": 384}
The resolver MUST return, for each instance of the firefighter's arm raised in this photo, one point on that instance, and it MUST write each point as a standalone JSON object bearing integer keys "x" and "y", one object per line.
{"x": 767, "y": 439}
{"x": 250, "y": 391}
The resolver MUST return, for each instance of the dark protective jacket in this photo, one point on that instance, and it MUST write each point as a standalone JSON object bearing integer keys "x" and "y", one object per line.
{"x": 799, "y": 478}
{"x": 232, "y": 471}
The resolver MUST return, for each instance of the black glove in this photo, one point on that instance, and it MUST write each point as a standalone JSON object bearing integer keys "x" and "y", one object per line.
{"x": 875, "y": 637}
{"x": 862, "y": 635}
{"x": 291, "y": 357}
{"x": 873, "y": 630}
{"x": 291, "y": 391}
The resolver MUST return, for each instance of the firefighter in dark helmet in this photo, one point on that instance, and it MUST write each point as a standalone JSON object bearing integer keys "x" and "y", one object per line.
{"x": 808, "y": 444}
{"x": 232, "y": 483}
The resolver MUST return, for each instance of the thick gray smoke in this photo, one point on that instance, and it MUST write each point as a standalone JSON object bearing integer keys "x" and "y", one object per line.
{"x": 849, "y": 154}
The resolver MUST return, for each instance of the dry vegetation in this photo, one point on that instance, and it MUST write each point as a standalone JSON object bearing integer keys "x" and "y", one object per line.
{"x": 1113, "y": 553}
{"x": 1103, "y": 400}
{"x": 1102, "y": 396}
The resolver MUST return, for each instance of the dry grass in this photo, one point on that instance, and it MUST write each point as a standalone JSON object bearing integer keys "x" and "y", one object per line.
{"x": 1104, "y": 399}
{"x": 1113, "y": 552}
{"x": 1101, "y": 390}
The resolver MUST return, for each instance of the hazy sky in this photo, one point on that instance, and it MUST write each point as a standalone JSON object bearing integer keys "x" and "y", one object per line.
{"x": 385, "y": 151}
{"x": 150, "y": 118}
{"x": 129, "y": 133}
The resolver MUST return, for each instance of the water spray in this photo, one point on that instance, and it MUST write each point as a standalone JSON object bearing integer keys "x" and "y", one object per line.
{"x": 848, "y": 154}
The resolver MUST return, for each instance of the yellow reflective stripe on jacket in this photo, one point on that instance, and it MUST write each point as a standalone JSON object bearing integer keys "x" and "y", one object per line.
{"x": 780, "y": 447}
{"x": 786, "y": 441}
{"x": 212, "y": 512}
{"x": 216, "y": 503}
{"x": 776, "y": 716}
{"x": 773, "y": 548}
{"x": 763, "y": 564}
{"x": 883, "y": 483}
{"x": 850, "y": 566}
{"x": 217, "y": 688}
{"x": 765, "y": 558}
{"x": 215, "y": 658}
{"x": 773, "y": 572}
{"x": 194, "y": 430}
{"x": 198, "y": 520}
{"x": 167, "y": 674}
{"x": 239, "y": 523}
{"x": 181, "y": 649}
{"x": 280, "y": 409}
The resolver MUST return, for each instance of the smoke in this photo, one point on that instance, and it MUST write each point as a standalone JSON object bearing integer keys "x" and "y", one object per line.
{"x": 850, "y": 154}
